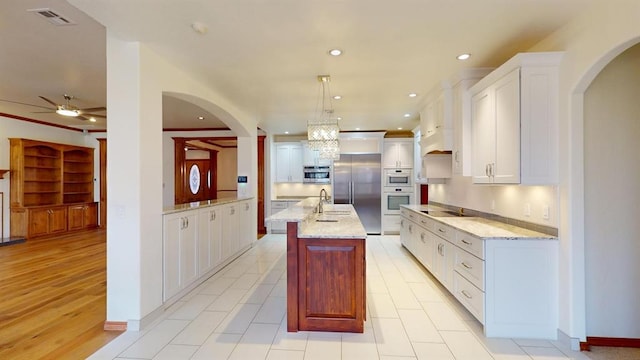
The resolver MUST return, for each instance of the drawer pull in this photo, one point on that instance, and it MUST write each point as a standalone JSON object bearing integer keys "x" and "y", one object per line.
{"x": 441, "y": 230}
{"x": 467, "y": 265}
{"x": 466, "y": 242}
{"x": 466, "y": 294}
{"x": 422, "y": 237}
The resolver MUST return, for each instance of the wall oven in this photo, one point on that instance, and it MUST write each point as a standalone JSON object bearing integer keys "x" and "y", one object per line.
{"x": 317, "y": 174}
{"x": 393, "y": 197}
{"x": 398, "y": 177}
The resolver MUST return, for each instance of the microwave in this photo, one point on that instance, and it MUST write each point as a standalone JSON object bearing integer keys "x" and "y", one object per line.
{"x": 398, "y": 177}
{"x": 317, "y": 174}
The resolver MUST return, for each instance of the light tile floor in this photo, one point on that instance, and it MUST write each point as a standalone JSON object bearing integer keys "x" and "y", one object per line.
{"x": 240, "y": 313}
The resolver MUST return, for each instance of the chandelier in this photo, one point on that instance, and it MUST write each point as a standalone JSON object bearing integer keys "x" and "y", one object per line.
{"x": 323, "y": 131}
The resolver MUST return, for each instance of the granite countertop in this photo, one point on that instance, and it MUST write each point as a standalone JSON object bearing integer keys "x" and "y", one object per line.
{"x": 481, "y": 227}
{"x": 338, "y": 221}
{"x": 200, "y": 204}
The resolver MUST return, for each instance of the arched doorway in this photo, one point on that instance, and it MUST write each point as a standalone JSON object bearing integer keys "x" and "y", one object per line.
{"x": 611, "y": 195}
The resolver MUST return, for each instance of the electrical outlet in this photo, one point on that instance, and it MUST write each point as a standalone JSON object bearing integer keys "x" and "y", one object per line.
{"x": 545, "y": 212}
{"x": 527, "y": 209}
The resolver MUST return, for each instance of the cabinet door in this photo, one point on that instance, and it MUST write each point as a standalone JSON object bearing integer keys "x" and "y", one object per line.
{"x": 507, "y": 139}
{"x": 58, "y": 220}
{"x": 458, "y": 130}
{"x": 91, "y": 215}
{"x": 405, "y": 154}
{"x": 289, "y": 163}
{"x": 295, "y": 163}
{"x": 229, "y": 231}
{"x": 171, "y": 255}
{"x": 390, "y": 155}
{"x": 204, "y": 241}
{"x": 424, "y": 242}
{"x": 483, "y": 135}
{"x": 245, "y": 221}
{"x": 215, "y": 236}
{"x": 76, "y": 217}
{"x": 404, "y": 232}
{"x": 38, "y": 222}
{"x": 188, "y": 249}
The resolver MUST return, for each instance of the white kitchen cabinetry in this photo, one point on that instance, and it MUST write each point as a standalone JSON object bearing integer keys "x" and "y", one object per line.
{"x": 180, "y": 251}
{"x": 311, "y": 157}
{"x": 289, "y": 162}
{"x": 435, "y": 120}
{"x": 398, "y": 154}
{"x": 461, "y": 119}
{"x": 514, "y": 115}
{"x": 509, "y": 285}
{"x": 198, "y": 242}
{"x": 209, "y": 239}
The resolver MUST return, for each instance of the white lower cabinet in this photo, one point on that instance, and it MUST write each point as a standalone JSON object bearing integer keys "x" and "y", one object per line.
{"x": 245, "y": 224}
{"x": 509, "y": 285}
{"x": 198, "y": 242}
{"x": 179, "y": 242}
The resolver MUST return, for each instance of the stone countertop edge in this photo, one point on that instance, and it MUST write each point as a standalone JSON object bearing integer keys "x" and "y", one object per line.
{"x": 201, "y": 204}
{"x": 485, "y": 229}
{"x": 346, "y": 226}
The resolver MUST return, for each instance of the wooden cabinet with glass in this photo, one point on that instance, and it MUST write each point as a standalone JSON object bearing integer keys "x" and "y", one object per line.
{"x": 51, "y": 188}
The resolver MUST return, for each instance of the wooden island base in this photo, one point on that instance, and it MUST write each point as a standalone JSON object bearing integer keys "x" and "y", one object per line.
{"x": 325, "y": 283}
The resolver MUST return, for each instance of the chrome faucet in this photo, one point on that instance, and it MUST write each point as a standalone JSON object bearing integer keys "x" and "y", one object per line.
{"x": 326, "y": 198}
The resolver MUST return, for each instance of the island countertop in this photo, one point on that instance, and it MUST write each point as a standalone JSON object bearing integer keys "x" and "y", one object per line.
{"x": 337, "y": 221}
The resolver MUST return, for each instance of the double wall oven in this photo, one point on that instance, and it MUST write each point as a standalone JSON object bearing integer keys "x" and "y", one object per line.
{"x": 397, "y": 190}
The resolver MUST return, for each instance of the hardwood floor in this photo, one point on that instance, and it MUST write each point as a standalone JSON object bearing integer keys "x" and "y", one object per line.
{"x": 53, "y": 297}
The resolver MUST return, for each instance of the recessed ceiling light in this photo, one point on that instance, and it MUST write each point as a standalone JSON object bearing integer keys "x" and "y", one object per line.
{"x": 357, "y": 128}
{"x": 286, "y": 132}
{"x": 412, "y": 95}
{"x": 407, "y": 115}
{"x": 200, "y": 117}
{"x": 399, "y": 128}
{"x": 339, "y": 117}
{"x": 335, "y": 52}
{"x": 337, "y": 97}
{"x": 463, "y": 56}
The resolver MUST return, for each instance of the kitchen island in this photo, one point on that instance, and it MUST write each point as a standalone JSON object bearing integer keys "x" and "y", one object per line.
{"x": 325, "y": 267}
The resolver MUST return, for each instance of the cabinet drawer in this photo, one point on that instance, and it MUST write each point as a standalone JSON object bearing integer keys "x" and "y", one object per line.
{"x": 470, "y": 296}
{"x": 444, "y": 231}
{"x": 426, "y": 223}
{"x": 470, "y": 267}
{"x": 470, "y": 243}
{"x": 410, "y": 215}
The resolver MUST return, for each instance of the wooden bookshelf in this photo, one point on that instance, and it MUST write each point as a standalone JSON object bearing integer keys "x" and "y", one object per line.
{"x": 47, "y": 178}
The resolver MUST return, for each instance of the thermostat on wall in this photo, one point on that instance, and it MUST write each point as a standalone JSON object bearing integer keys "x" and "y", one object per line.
{"x": 242, "y": 179}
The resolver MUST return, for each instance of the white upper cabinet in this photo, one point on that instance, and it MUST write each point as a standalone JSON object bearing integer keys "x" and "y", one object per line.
{"x": 311, "y": 157}
{"x": 435, "y": 120}
{"x": 289, "y": 162}
{"x": 514, "y": 114}
{"x": 398, "y": 153}
{"x": 461, "y": 118}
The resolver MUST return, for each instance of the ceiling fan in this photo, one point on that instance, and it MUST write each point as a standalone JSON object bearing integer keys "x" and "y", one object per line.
{"x": 67, "y": 109}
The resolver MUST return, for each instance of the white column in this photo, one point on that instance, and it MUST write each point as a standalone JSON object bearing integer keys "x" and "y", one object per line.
{"x": 134, "y": 184}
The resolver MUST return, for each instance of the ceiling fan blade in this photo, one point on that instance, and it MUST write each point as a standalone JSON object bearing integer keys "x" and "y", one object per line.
{"x": 49, "y": 101}
{"x": 102, "y": 108}
{"x": 21, "y": 103}
{"x": 94, "y": 115}
{"x": 81, "y": 117}
{"x": 43, "y": 112}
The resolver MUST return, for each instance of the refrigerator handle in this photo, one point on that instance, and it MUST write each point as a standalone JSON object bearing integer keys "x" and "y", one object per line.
{"x": 352, "y": 192}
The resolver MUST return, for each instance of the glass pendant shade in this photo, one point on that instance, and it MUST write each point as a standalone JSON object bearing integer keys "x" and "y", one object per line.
{"x": 323, "y": 132}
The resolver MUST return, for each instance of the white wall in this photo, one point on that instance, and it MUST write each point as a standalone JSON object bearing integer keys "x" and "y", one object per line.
{"x": 505, "y": 200}
{"x": 612, "y": 195}
{"x": 12, "y": 128}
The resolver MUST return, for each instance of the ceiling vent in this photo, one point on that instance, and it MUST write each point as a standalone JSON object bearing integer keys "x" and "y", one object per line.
{"x": 52, "y": 16}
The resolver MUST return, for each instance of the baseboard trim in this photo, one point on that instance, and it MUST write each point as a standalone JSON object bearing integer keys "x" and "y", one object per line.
{"x": 608, "y": 341}
{"x": 115, "y": 326}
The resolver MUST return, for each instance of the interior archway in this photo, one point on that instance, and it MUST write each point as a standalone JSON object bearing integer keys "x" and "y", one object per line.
{"x": 611, "y": 175}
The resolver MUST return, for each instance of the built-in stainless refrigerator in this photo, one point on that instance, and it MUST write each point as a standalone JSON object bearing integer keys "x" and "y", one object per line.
{"x": 356, "y": 180}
